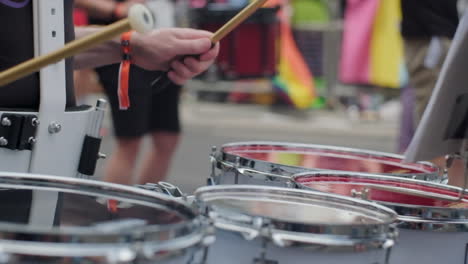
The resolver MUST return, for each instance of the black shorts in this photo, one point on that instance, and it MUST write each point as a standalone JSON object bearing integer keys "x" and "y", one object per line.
{"x": 149, "y": 111}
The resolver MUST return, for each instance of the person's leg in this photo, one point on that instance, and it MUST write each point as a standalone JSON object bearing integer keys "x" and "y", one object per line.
{"x": 158, "y": 160}
{"x": 165, "y": 126}
{"x": 121, "y": 164}
{"x": 129, "y": 125}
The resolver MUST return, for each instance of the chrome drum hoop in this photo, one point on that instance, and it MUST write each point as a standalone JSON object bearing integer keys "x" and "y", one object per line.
{"x": 225, "y": 160}
{"x": 139, "y": 234}
{"x": 414, "y": 217}
{"x": 336, "y": 237}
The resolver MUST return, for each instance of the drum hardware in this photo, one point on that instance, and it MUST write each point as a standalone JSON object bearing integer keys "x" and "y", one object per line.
{"x": 152, "y": 228}
{"x": 164, "y": 188}
{"x": 258, "y": 218}
{"x": 247, "y": 232}
{"x": 213, "y": 161}
{"x": 364, "y": 194}
{"x": 6, "y": 122}
{"x": 261, "y": 163}
{"x": 252, "y": 173}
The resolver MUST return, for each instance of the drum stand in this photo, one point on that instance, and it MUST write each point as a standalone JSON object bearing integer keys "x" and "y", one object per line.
{"x": 54, "y": 140}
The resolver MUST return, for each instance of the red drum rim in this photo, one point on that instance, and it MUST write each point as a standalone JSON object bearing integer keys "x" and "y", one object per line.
{"x": 328, "y": 158}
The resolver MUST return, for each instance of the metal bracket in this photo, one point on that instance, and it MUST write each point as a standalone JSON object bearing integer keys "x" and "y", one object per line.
{"x": 163, "y": 187}
{"x": 17, "y": 131}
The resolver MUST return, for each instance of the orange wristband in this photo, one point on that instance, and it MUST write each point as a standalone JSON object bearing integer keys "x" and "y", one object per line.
{"x": 124, "y": 72}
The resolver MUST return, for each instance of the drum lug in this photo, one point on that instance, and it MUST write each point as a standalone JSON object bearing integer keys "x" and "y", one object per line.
{"x": 121, "y": 256}
{"x": 364, "y": 194}
{"x": 213, "y": 160}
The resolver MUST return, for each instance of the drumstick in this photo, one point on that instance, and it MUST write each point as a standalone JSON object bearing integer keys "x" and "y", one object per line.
{"x": 139, "y": 19}
{"x": 164, "y": 80}
{"x": 236, "y": 20}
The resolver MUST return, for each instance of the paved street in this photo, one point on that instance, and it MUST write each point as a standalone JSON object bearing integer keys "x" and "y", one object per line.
{"x": 210, "y": 124}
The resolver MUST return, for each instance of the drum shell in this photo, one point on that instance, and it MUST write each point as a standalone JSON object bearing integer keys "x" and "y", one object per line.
{"x": 232, "y": 248}
{"x": 426, "y": 247}
{"x": 250, "y": 50}
{"x": 249, "y": 163}
{"x": 427, "y": 234}
{"x": 85, "y": 231}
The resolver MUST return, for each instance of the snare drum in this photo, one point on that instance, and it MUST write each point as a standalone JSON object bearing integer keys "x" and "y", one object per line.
{"x": 433, "y": 218}
{"x": 273, "y": 163}
{"x": 94, "y": 223}
{"x": 264, "y": 224}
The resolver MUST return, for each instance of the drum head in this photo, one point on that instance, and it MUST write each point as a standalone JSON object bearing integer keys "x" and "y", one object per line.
{"x": 293, "y": 206}
{"x": 84, "y": 218}
{"x": 385, "y": 189}
{"x": 324, "y": 158}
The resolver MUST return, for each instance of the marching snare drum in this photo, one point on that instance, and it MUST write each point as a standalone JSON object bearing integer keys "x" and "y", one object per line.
{"x": 273, "y": 163}
{"x": 272, "y": 225}
{"x": 433, "y": 218}
{"x": 95, "y": 222}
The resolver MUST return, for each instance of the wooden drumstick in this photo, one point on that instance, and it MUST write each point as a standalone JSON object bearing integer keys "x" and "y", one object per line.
{"x": 139, "y": 19}
{"x": 164, "y": 80}
{"x": 236, "y": 20}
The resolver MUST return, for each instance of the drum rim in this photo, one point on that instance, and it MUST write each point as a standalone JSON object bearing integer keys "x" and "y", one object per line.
{"x": 224, "y": 158}
{"x": 354, "y": 234}
{"x": 162, "y": 234}
{"x": 418, "y": 219}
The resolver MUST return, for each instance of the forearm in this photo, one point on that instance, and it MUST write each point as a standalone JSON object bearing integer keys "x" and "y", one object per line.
{"x": 103, "y": 54}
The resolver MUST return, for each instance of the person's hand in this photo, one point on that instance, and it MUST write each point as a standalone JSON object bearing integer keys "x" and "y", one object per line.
{"x": 161, "y": 49}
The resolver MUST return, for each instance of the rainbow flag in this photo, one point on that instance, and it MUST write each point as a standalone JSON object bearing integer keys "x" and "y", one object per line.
{"x": 294, "y": 81}
{"x": 372, "y": 49}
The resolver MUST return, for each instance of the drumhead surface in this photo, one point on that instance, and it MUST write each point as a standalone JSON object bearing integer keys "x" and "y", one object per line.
{"x": 377, "y": 189}
{"x": 293, "y": 206}
{"x": 326, "y": 158}
{"x": 85, "y": 207}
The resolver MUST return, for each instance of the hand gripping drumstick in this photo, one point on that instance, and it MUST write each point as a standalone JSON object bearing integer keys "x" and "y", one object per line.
{"x": 139, "y": 18}
{"x": 163, "y": 81}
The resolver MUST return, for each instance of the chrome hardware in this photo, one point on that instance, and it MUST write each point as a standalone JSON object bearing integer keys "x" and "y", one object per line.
{"x": 364, "y": 194}
{"x": 32, "y": 140}
{"x": 123, "y": 255}
{"x": 163, "y": 187}
{"x": 449, "y": 159}
{"x": 54, "y": 128}
{"x": 102, "y": 155}
{"x": 35, "y": 122}
{"x": 6, "y": 121}
{"x": 213, "y": 162}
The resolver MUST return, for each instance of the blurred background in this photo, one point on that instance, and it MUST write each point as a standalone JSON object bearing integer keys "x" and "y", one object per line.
{"x": 307, "y": 71}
